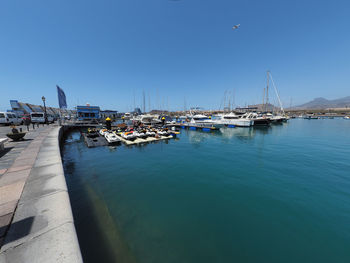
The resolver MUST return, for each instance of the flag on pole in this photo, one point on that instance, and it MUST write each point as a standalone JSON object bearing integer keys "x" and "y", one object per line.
{"x": 61, "y": 98}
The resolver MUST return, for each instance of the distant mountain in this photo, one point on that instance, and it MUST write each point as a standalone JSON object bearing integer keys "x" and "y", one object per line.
{"x": 322, "y": 103}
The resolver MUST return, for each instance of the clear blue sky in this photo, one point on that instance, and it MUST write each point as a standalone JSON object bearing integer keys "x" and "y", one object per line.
{"x": 104, "y": 52}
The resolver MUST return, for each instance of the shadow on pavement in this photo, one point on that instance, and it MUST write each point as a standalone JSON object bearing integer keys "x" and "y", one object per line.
{"x": 5, "y": 151}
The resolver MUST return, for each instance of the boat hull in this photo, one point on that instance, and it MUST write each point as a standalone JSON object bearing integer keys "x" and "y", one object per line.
{"x": 238, "y": 122}
{"x": 262, "y": 122}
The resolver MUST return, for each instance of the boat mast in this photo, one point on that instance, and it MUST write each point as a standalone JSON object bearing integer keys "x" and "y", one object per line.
{"x": 267, "y": 91}
{"x": 144, "y": 102}
{"x": 278, "y": 96}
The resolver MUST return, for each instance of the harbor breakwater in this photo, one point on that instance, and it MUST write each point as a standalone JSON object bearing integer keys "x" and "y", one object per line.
{"x": 41, "y": 225}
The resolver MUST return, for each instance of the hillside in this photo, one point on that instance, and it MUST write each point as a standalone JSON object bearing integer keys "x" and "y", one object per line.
{"x": 322, "y": 103}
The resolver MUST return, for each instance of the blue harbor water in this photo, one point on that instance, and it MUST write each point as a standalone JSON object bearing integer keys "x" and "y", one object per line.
{"x": 277, "y": 194}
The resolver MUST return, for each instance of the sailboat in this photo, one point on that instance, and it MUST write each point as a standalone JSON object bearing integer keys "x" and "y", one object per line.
{"x": 274, "y": 117}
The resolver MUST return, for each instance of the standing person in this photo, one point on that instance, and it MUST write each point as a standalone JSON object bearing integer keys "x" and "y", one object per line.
{"x": 108, "y": 123}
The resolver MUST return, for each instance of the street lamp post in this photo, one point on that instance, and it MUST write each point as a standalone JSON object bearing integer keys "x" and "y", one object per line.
{"x": 43, "y": 98}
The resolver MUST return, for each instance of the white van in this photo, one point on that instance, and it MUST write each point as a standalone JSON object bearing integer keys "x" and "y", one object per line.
{"x": 37, "y": 117}
{"x": 9, "y": 118}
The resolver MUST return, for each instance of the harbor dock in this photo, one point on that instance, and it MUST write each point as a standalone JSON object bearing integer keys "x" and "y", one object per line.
{"x": 146, "y": 140}
{"x": 192, "y": 126}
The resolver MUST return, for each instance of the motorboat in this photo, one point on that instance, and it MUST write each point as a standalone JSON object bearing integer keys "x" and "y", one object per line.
{"x": 111, "y": 138}
{"x": 204, "y": 120}
{"x": 235, "y": 120}
{"x": 148, "y": 119}
{"x": 311, "y": 117}
{"x": 127, "y": 116}
{"x": 347, "y": 117}
{"x": 276, "y": 118}
{"x": 257, "y": 119}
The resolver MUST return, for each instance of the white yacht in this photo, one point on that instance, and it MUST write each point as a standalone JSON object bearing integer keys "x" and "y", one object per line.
{"x": 148, "y": 119}
{"x": 233, "y": 119}
{"x": 204, "y": 120}
{"x": 276, "y": 118}
{"x": 257, "y": 119}
{"x": 127, "y": 116}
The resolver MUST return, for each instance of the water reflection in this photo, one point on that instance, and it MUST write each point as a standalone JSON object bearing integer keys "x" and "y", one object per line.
{"x": 240, "y": 133}
{"x": 198, "y": 137}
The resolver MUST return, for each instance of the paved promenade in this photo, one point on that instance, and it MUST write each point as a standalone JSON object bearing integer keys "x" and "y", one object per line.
{"x": 36, "y": 222}
{"x": 13, "y": 149}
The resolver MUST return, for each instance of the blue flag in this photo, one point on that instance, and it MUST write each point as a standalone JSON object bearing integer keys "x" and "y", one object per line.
{"x": 61, "y": 98}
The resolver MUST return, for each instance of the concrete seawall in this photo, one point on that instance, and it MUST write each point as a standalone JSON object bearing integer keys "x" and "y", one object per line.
{"x": 42, "y": 227}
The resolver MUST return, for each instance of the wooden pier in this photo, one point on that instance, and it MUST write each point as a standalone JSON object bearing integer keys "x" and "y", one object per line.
{"x": 145, "y": 140}
{"x": 192, "y": 126}
{"x": 94, "y": 141}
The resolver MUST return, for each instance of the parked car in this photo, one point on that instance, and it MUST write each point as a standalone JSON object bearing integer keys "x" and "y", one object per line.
{"x": 9, "y": 118}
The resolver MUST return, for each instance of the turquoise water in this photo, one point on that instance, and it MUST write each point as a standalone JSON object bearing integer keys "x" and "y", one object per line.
{"x": 278, "y": 194}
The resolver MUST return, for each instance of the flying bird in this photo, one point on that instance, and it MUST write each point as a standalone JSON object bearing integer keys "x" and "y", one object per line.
{"x": 236, "y": 26}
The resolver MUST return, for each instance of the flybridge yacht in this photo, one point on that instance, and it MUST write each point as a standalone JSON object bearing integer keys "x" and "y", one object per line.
{"x": 149, "y": 119}
{"x": 233, "y": 119}
{"x": 127, "y": 116}
{"x": 204, "y": 120}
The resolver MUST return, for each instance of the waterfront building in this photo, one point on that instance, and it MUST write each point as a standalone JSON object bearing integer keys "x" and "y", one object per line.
{"x": 23, "y": 108}
{"x": 112, "y": 114}
{"x": 88, "y": 112}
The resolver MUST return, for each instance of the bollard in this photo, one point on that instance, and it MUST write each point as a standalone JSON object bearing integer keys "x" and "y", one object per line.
{"x": 33, "y": 126}
{"x": 27, "y": 127}
{"x": 20, "y": 129}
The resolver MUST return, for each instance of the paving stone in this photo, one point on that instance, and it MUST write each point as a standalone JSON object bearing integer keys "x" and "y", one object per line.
{"x": 10, "y": 178}
{"x": 19, "y": 168}
{"x": 7, "y": 208}
{"x": 11, "y": 192}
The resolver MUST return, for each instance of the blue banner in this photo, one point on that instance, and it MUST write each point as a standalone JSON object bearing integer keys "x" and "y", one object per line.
{"x": 61, "y": 98}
